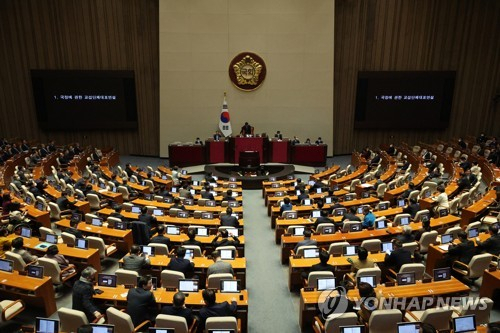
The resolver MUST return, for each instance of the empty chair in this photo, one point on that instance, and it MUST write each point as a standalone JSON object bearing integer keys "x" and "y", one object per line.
{"x": 334, "y": 321}
{"x": 112, "y": 221}
{"x": 122, "y": 321}
{"x": 413, "y": 195}
{"x": 475, "y": 269}
{"x": 392, "y": 185}
{"x": 382, "y": 203}
{"x": 104, "y": 250}
{"x": 44, "y": 231}
{"x": 9, "y": 309}
{"x": 337, "y": 248}
{"x": 51, "y": 268}
{"x": 381, "y": 188}
{"x": 454, "y": 231}
{"x": 431, "y": 185}
{"x": 291, "y": 229}
{"x": 55, "y": 212}
{"x": 427, "y": 238}
{"x": 68, "y": 239}
{"x": 399, "y": 217}
{"x": 439, "y": 318}
{"x": 412, "y": 247}
{"x": 290, "y": 214}
{"x": 222, "y": 323}
{"x": 160, "y": 249}
{"x": 352, "y": 187}
{"x": 300, "y": 250}
{"x": 150, "y": 184}
{"x": 418, "y": 269}
{"x": 178, "y": 323}
{"x": 375, "y": 271}
{"x": 423, "y": 191}
{"x": 347, "y": 225}
{"x": 384, "y": 321}
{"x": 312, "y": 278}
{"x": 42, "y": 202}
{"x": 170, "y": 279}
{"x": 449, "y": 150}
{"x": 321, "y": 227}
{"x": 464, "y": 200}
{"x": 95, "y": 203}
{"x": 454, "y": 206}
{"x": 213, "y": 280}
{"x": 126, "y": 277}
{"x": 372, "y": 245}
{"x": 491, "y": 218}
{"x": 89, "y": 217}
{"x": 124, "y": 192}
{"x": 475, "y": 306}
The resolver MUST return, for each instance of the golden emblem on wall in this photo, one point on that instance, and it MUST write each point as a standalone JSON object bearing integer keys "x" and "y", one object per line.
{"x": 247, "y": 71}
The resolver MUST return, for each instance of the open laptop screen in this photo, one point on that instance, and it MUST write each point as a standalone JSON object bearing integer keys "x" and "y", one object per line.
{"x": 446, "y": 238}
{"x": 136, "y": 209}
{"x": 464, "y": 324}
{"x": 82, "y": 244}
{"x": 102, "y": 328}
{"x": 473, "y": 232}
{"x": 401, "y": 202}
{"x": 46, "y": 325}
{"x": 404, "y": 220}
{"x": 158, "y": 212}
{"x": 406, "y": 278}
{"x": 97, "y": 222}
{"x": 299, "y": 231}
{"x": 350, "y": 250}
{"x": 6, "y": 265}
{"x": 409, "y": 327}
{"x": 387, "y": 247}
{"x": 442, "y": 274}
{"x": 326, "y": 284}
{"x": 229, "y": 286}
{"x": 26, "y": 232}
{"x": 316, "y": 213}
{"x": 173, "y": 230}
{"x": 227, "y": 254}
{"x": 51, "y": 238}
{"x": 106, "y": 280}
{"x": 35, "y": 271}
{"x": 381, "y": 224}
{"x": 201, "y": 232}
{"x": 311, "y": 253}
{"x": 186, "y": 285}
{"x": 149, "y": 250}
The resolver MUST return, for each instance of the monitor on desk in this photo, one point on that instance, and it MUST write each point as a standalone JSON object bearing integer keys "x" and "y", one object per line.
{"x": 365, "y": 194}
{"x": 51, "y": 238}
{"x": 202, "y": 231}
{"x": 349, "y": 197}
{"x": 359, "y": 210}
{"x": 275, "y": 185}
{"x": 335, "y": 187}
{"x": 370, "y": 279}
{"x": 136, "y": 209}
{"x": 233, "y": 232}
{"x": 120, "y": 225}
{"x": 227, "y": 254}
{"x": 298, "y": 231}
{"x": 404, "y": 279}
{"x": 352, "y": 329}
{"x": 210, "y": 203}
{"x": 103, "y": 186}
{"x": 464, "y": 324}
{"x": 173, "y": 230}
{"x": 164, "y": 177}
{"x": 446, "y": 238}
{"x": 391, "y": 186}
{"x": 316, "y": 213}
{"x": 272, "y": 179}
{"x": 405, "y": 220}
{"x": 443, "y": 212}
{"x": 387, "y": 247}
{"x": 306, "y": 202}
{"x": 182, "y": 214}
{"x": 149, "y": 250}
{"x": 328, "y": 200}
{"x": 184, "y": 172}
{"x": 189, "y": 254}
{"x": 233, "y": 203}
{"x": 427, "y": 194}
{"x": 196, "y": 183}
{"x": 26, "y": 232}
{"x": 350, "y": 250}
{"x": 221, "y": 330}
{"x": 473, "y": 233}
{"x": 106, "y": 280}
{"x": 174, "y": 190}
{"x": 380, "y": 224}
{"x": 6, "y": 265}
{"x": 148, "y": 196}
{"x": 102, "y": 328}
{"x": 46, "y": 325}
{"x": 232, "y": 179}
{"x": 328, "y": 230}
{"x": 319, "y": 190}
{"x": 160, "y": 330}
{"x": 35, "y": 271}
{"x": 188, "y": 202}
{"x": 232, "y": 185}
{"x": 97, "y": 222}
{"x": 158, "y": 212}
{"x": 441, "y": 274}
{"x": 383, "y": 206}
{"x": 76, "y": 217}
{"x": 401, "y": 202}
{"x": 82, "y": 244}
{"x": 192, "y": 191}
{"x": 28, "y": 200}
{"x": 311, "y": 183}
{"x": 297, "y": 192}
{"x": 39, "y": 205}
{"x": 188, "y": 285}
{"x": 168, "y": 199}
{"x": 207, "y": 215}
{"x": 412, "y": 327}
{"x": 355, "y": 227}
{"x": 326, "y": 284}
{"x": 114, "y": 189}
{"x": 311, "y": 253}
{"x": 229, "y": 286}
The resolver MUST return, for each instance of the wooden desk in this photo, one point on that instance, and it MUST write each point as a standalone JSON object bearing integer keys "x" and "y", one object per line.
{"x": 83, "y": 206}
{"x": 216, "y": 209}
{"x": 215, "y": 150}
{"x": 122, "y": 238}
{"x": 283, "y": 224}
{"x": 325, "y": 174}
{"x": 473, "y": 211}
{"x": 40, "y": 216}
{"x": 347, "y": 179}
{"x": 391, "y": 195}
{"x": 240, "y": 144}
{"x": 490, "y": 285}
{"x": 298, "y": 265}
{"x": 118, "y": 296}
{"x": 309, "y": 299}
{"x": 35, "y": 292}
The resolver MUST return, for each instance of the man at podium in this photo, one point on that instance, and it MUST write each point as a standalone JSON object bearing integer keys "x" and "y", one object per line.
{"x": 246, "y": 129}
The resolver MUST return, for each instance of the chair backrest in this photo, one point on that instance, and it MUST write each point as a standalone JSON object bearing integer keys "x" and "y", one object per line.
{"x": 173, "y": 211}
{"x": 290, "y": 214}
{"x": 439, "y": 318}
{"x": 68, "y": 238}
{"x": 124, "y": 192}
{"x": 464, "y": 200}
{"x": 334, "y": 321}
{"x": 372, "y": 245}
{"x": 112, "y": 221}
{"x": 422, "y": 191}
{"x": 291, "y": 228}
{"x": 322, "y": 226}
{"x": 94, "y": 201}
{"x": 89, "y": 217}
{"x": 221, "y": 323}
{"x": 71, "y": 319}
{"x": 300, "y": 250}
{"x": 398, "y": 217}
{"x": 384, "y": 321}
{"x": 160, "y": 249}
{"x": 97, "y": 243}
{"x": 454, "y": 231}
{"x": 44, "y": 231}
{"x": 370, "y": 272}
{"x": 431, "y": 185}
{"x": 476, "y": 224}
{"x": 427, "y": 238}
{"x": 170, "y": 279}
{"x": 51, "y": 268}
{"x": 41, "y": 200}
{"x": 354, "y": 182}
{"x": 382, "y": 203}
{"x": 178, "y": 323}
{"x": 196, "y": 250}
{"x": 476, "y": 306}
{"x": 421, "y": 213}
{"x": 337, "y": 248}
{"x": 347, "y": 225}
{"x": 19, "y": 264}
{"x": 150, "y": 184}
{"x": 337, "y": 211}
{"x": 312, "y": 279}
{"x": 418, "y": 269}
{"x": 478, "y": 264}
{"x": 125, "y": 276}
{"x": 411, "y": 246}
{"x": 55, "y": 212}
{"x": 214, "y": 279}
{"x": 454, "y": 205}
{"x": 413, "y": 195}
{"x": 381, "y": 188}
{"x": 121, "y": 320}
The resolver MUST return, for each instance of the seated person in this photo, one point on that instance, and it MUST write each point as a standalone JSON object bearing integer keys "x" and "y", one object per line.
{"x": 303, "y": 195}
{"x": 322, "y": 219}
{"x": 73, "y": 224}
{"x": 398, "y": 257}
{"x": 369, "y": 301}
{"x": 179, "y": 308}
{"x": 177, "y": 204}
{"x": 206, "y": 193}
{"x": 295, "y": 141}
{"x": 223, "y": 235}
{"x": 412, "y": 208}
{"x": 323, "y": 265}
{"x": 17, "y": 247}
{"x": 463, "y": 251}
{"x": 116, "y": 213}
{"x": 217, "y": 135}
{"x": 135, "y": 261}
{"x": 179, "y": 264}
{"x": 306, "y": 241}
{"x": 219, "y": 266}
{"x": 160, "y": 238}
{"x": 246, "y": 129}
{"x": 406, "y": 193}
{"x": 278, "y": 135}
{"x": 213, "y": 309}
{"x": 287, "y": 205}
{"x": 351, "y": 215}
{"x": 406, "y": 236}
{"x": 442, "y": 199}
{"x": 53, "y": 253}
{"x": 319, "y": 141}
{"x": 141, "y": 303}
{"x": 63, "y": 203}
{"x": 362, "y": 261}
{"x": 491, "y": 245}
{"x": 83, "y": 290}
{"x": 369, "y": 219}
{"x": 308, "y": 141}
{"x": 426, "y": 227}
{"x": 229, "y": 196}
{"x": 229, "y": 220}
{"x": 149, "y": 219}
{"x": 192, "y": 239}
{"x": 198, "y": 141}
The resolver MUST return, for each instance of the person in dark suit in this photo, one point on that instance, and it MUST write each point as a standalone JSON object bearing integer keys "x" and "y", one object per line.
{"x": 135, "y": 261}
{"x": 286, "y": 205}
{"x": 323, "y": 265}
{"x": 464, "y": 163}
{"x": 306, "y": 241}
{"x": 179, "y": 308}
{"x": 412, "y": 208}
{"x": 278, "y": 135}
{"x": 319, "y": 141}
{"x": 229, "y": 196}
{"x": 391, "y": 150}
{"x": 83, "y": 291}
{"x": 213, "y": 309}
{"x": 141, "y": 303}
{"x": 206, "y": 194}
{"x": 246, "y": 129}
{"x": 322, "y": 219}
{"x": 351, "y": 215}
{"x": 406, "y": 236}
{"x": 178, "y": 204}
{"x": 463, "y": 251}
{"x": 225, "y": 241}
{"x": 303, "y": 195}
{"x": 192, "y": 241}
{"x": 73, "y": 228}
{"x": 295, "y": 141}
{"x": 229, "y": 220}
{"x": 463, "y": 183}
{"x": 150, "y": 220}
{"x": 63, "y": 203}
{"x": 116, "y": 213}
{"x": 217, "y": 136}
{"x": 492, "y": 244}
{"x": 398, "y": 257}
{"x": 160, "y": 238}
{"x": 462, "y": 143}
{"x": 179, "y": 264}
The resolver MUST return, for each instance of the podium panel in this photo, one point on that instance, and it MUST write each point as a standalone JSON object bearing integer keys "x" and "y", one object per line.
{"x": 215, "y": 151}
{"x": 279, "y": 151}
{"x": 313, "y": 155}
{"x": 183, "y": 155}
{"x": 241, "y": 144}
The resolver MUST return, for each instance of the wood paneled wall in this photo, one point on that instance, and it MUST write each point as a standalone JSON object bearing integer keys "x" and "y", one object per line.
{"x": 459, "y": 35}
{"x": 79, "y": 34}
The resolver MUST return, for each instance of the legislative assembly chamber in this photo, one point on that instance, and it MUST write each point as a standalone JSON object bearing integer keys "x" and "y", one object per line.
{"x": 222, "y": 166}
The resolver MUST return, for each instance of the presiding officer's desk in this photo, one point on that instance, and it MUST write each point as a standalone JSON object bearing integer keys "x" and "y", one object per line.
{"x": 298, "y": 265}
{"x": 122, "y": 238}
{"x": 35, "y": 292}
{"x": 201, "y": 264}
{"x": 118, "y": 297}
{"x": 309, "y": 299}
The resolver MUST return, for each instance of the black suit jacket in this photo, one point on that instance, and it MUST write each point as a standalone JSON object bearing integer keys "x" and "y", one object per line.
{"x": 412, "y": 209}
{"x": 491, "y": 245}
{"x": 398, "y": 258}
{"x": 192, "y": 242}
{"x": 322, "y": 219}
{"x": 82, "y": 299}
{"x": 141, "y": 305}
{"x": 161, "y": 240}
{"x": 181, "y": 265}
{"x": 225, "y": 241}
{"x": 463, "y": 251}
{"x": 207, "y": 195}
{"x": 180, "y": 312}
{"x": 229, "y": 221}
{"x": 216, "y": 310}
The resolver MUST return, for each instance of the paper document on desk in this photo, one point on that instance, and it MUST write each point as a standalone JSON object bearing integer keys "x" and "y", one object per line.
{"x": 444, "y": 247}
{"x": 42, "y": 246}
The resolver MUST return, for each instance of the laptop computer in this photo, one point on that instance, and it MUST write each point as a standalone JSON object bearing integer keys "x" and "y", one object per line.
{"x": 446, "y": 238}
{"x": 174, "y": 190}
{"x": 227, "y": 254}
{"x": 370, "y": 279}
{"x": 188, "y": 285}
{"x": 298, "y": 231}
{"x": 387, "y": 247}
{"x": 97, "y": 222}
{"x": 326, "y": 284}
{"x": 35, "y": 271}
{"x": 158, "y": 212}
{"x": 120, "y": 225}
{"x": 352, "y": 329}
{"x": 196, "y": 183}
{"x": 381, "y": 224}
{"x": 148, "y": 196}
{"x": 188, "y": 202}
{"x": 51, "y": 238}
{"x": 75, "y": 217}
{"x": 441, "y": 274}
{"x": 473, "y": 233}
{"x": 233, "y": 231}
{"x": 349, "y": 197}
{"x": 26, "y": 232}
{"x": 168, "y": 199}
{"x": 106, "y": 280}
{"x": 160, "y": 330}
{"x": 311, "y": 183}
{"x": 316, "y": 213}
{"x": 409, "y": 327}
{"x": 464, "y": 324}
{"x": 46, "y": 325}
{"x": 229, "y": 286}
{"x": 272, "y": 179}
{"x": 359, "y": 210}
{"x": 350, "y": 250}
{"x": 401, "y": 202}
{"x": 102, "y": 328}
{"x": 207, "y": 215}
{"x": 232, "y": 185}
{"x": 82, "y": 244}
{"x": 173, "y": 230}
{"x": 6, "y": 265}
{"x": 28, "y": 200}
{"x": 149, "y": 250}
{"x": 404, "y": 279}
{"x": 136, "y": 209}
{"x": 311, "y": 253}
{"x": 365, "y": 194}
{"x": 425, "y": 217}
{"x": 220, "y": 330}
